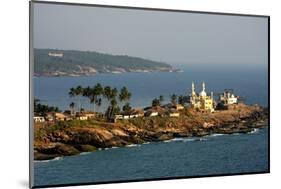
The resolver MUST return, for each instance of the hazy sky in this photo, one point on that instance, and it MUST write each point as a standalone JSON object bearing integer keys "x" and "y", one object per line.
{"x": 166, "y": 36}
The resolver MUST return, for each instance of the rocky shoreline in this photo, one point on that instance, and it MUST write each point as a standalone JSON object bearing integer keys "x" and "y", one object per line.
{"x": 68, "y": 138}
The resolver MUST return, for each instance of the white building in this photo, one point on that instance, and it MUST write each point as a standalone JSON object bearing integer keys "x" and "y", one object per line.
{"x": 39, "y": 119}
{"x": 228, "y": 98}
{"x": 55, "y": 54}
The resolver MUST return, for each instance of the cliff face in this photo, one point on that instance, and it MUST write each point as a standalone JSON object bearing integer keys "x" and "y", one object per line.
{"x": 72, "y": 138}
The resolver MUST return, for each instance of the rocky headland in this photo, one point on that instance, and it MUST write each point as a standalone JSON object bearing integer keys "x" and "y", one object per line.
{"x": 73, "y": 137}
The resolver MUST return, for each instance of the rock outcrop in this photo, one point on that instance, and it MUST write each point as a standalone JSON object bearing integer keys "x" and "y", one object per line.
{"x": 65, "y": 140}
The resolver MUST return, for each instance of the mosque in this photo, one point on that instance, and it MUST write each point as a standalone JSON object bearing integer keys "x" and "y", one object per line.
{"x": 201, "y": 102}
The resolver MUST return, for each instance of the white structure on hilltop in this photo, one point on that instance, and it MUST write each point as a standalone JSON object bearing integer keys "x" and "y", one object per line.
{"x": 56, "y": 54}
{"x": 228, "y": 98}
{"x": 201, "y": 101}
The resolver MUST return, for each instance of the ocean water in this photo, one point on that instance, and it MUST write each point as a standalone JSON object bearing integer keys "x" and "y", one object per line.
{"x": 180, "y": 157}
{"x": 250, "y": 82}
{"x": 216, "y": 154}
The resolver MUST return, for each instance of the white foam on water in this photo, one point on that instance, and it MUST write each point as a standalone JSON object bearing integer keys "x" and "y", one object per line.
{"x": 132, "y": 145}
{"x": 189, "y": 139}
{"x": 84, "y": 153}
{"x": 48, "y": 160}
{"x": 254, "y": 131}
{"x": 146, "y": 143}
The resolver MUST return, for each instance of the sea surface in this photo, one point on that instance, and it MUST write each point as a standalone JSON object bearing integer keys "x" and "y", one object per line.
{"x": 216, "y": 154}
{"x": 180, "y": 157}
{"x": 249, "y": 82}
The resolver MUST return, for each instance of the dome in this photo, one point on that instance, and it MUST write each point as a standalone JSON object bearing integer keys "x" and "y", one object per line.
{"x": 202, "y": 93}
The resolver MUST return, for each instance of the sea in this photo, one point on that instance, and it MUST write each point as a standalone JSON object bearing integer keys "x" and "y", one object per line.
{"x": 180, "y": 157}
{"x": 248, "y": 82}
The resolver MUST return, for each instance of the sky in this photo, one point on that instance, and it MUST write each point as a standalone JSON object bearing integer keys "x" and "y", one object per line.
{"x": 172, "y": 37}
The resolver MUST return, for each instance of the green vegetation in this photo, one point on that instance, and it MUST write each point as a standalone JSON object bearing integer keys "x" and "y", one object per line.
{"x": 86, "y": 62}
{"x": 42, "y": 110}
{"x": 107, "y": 95}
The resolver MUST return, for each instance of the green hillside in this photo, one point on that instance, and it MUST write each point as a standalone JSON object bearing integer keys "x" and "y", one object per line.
{"x": 72, "y": 62}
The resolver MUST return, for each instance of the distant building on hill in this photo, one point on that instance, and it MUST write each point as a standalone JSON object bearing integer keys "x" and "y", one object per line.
{"x": 201, "y": 102}
{"x": 56, "y": 54}
{"x": 228, "y": 98}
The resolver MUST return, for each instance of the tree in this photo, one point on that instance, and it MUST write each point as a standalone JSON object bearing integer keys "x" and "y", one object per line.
{"x": 98, "y": 91}
{"x": 124, "y": 95}
{"x": 173, "y": 99}
{"x": 76, "y": 92}
{"x": 161, "y": 99}
{"x": 181, "y": 100}
{"x": 72, "y": 105}
{"x": 155, "y": 102}
{"x": 127, "y": 108}
{"x": 42, "y": 110}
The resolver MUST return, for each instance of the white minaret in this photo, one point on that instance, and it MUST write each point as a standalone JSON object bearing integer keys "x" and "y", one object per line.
{"x": 192, "y": 89}
{"x": 203, "y": 93}
{"x": 203, "y": 86}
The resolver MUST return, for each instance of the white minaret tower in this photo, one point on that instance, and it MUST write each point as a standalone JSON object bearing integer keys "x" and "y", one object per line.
{"x": 203, "y": 86}
{"x": 203, "y": 93}
{"x": 193, "y": 93}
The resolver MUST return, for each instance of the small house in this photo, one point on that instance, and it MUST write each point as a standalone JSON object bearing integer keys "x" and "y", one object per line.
{"x": 39, "y": 119}
{"x": 179, "y": 107}
{"x": 151, "y": 113}
{"x": 174, "y": 114}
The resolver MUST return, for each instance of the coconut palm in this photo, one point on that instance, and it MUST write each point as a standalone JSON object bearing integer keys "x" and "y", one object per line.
{"x": 127, "y": 108}
{"x": 124, "y": 95}
{"x": 98, "y": 90}
{"x": 72, "y": 105}
{"x": 161, "y": 99}
{"x": 76, "y": 92}
{"x": 173, "y": 99}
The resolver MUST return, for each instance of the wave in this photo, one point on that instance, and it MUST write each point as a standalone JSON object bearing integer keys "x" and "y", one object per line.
{"x": 146, "y": 143}
{"x": 48, "y": 160}
{"x": 215, "y": 135}
{"x": 174, "y": 140}
{"x": 133, "y": 145}
{"x": 254, "y": 131}
{"x": 185, "y": 140}
{"x": 84, "y": 153}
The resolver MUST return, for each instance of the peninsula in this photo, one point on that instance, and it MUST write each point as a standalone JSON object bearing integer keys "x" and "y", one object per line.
{"x": 67, "y": 133}
{"x": 73, "y": 137}
{"x": 54, "y": 62}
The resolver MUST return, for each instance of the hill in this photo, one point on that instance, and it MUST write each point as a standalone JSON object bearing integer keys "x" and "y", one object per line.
{"x": 53, "y": 62}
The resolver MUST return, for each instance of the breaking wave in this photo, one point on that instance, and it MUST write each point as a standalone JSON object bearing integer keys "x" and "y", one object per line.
{"x": 48, "y": 160}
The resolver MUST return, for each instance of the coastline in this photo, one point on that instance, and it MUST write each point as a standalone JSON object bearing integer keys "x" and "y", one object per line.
{"x": 88, "y": 136}
{"x": 64, "y": 74}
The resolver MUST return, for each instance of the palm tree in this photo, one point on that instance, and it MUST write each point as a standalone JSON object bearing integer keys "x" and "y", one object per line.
{"x": 93, "y": 96}
{"x": 98, "y": 90}
{"x": 161, "y": 99}
{"x": 76, "y": 92}
{"x": 173, "y": 99}
{"x": 124, "y": 95}
{"x": 181, "y": 100}
{"x": 107, "y": 93}
{"x": 71, "y": 105}
{"x": 155, "y": 102}
{"x": 127, "y": 108}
